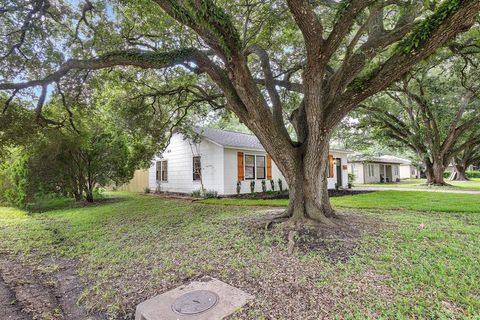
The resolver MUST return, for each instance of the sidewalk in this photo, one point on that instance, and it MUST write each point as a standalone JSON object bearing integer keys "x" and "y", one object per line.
{"x": 380, "y": 188}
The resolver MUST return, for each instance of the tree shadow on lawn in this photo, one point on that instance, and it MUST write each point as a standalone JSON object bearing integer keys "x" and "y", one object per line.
{"x": 337, "y": 243}
{"x": 70, "y": 203}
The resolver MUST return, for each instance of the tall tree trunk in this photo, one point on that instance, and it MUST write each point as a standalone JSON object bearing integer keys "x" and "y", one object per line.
{"x": 435, "y": 173}
{"x": 308, "y": 190}
{"x": 89, "y": 195}
{"x": 458, "y": 173}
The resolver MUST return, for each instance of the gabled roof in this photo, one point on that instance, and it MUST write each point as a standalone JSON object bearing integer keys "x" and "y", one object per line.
{"x": 382, "y": 159}
{"x": 230, "y": 139}
{"x": 236, "y": 140}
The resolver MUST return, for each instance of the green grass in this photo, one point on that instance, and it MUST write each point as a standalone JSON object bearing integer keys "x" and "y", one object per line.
{"x": 472, "y": 185}
{"x": 420, "y": 262}
{"x": 389, "y": 199}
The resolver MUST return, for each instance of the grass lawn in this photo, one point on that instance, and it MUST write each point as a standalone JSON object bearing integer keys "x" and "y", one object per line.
{"x": 472, "y": 184}
{"x": 420, "y": 262}
{"x": 389, "y": 199}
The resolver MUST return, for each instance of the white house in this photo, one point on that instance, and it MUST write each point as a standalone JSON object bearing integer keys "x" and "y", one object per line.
{"x": 221, "y": 159}
{"x": 409, "y": 171}
{"x": 378, "y": 169}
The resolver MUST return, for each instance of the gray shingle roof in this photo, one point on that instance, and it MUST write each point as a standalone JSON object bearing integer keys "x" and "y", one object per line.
{"x": 383, "y": 159}
{"x": 230, "y": 138}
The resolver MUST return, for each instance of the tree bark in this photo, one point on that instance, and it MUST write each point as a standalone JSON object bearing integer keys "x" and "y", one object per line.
{"x": 308, "y": 189}
{"x": 458, "y": 173}
{"x": 89, "y": 195}
{"x": 435, "y": 173}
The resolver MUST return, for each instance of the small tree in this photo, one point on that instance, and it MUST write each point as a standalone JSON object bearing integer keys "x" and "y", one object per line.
{"x": 80, "y": 163}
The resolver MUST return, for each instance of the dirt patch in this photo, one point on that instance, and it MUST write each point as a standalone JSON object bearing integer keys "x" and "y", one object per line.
{"x": 339, "y": 242}
{"x": 39, "y": 293}
{"x": 10, "y": 309}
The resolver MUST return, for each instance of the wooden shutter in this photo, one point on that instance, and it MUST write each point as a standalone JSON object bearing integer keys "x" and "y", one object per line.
{"x": 269, "y": 167}
{"x": 240, "y": 172}
{"x": 331, "y": 166}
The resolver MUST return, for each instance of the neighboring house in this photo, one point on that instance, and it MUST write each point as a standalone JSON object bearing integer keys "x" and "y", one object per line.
{"x": 222, "y": 158}
{"x": 379, "y": 169}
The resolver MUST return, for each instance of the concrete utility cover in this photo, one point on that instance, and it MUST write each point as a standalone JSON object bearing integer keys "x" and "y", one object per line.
{"x": 206, "y": 299}
{"x": 195, "y": 302}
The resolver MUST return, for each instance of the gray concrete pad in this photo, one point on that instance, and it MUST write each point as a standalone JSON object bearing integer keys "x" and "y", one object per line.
{"x": 159, "y": 307}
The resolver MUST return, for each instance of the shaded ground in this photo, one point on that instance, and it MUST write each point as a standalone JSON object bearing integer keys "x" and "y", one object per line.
{"x": 9, "y": 306}
{"x": 376, "y": 263}
{"x": 30, "y": 293}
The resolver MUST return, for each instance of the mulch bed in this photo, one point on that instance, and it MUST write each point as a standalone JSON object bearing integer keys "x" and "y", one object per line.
{"x": 284, "y": 195}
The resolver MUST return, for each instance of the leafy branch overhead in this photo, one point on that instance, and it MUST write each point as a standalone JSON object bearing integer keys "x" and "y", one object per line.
{"x": 289, "y": 70}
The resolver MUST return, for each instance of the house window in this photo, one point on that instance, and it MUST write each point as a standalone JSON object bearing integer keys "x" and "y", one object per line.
{"x": 197, "y": 168}
{"x": 260, "y": 163}
{"x": 396, "y": 170}
{"x": 162, "y": 170}
{"x": 371, "y": 171}
{"x": 249, "y": 167}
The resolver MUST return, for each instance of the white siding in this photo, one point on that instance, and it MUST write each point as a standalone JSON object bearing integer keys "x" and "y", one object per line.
{"x": 230, "y": 176}
{"x": 358, "y": 170}
{"x": 407, "y": 171}
{"x": 363, "y": 175}
{"x": 179, "y": 155}
{"x": 332, "y": 181}
{"x": 219, "y": 169}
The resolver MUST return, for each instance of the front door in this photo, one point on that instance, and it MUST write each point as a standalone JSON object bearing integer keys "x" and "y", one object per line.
{"x": 338, "y": 162}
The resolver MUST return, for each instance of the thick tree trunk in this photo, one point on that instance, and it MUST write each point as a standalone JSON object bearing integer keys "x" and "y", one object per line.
{"x": 435, "y": 173}
{"x": 458, "y": 173}
{"x": 89, "y": 195}
{"x": 308, "y": 191}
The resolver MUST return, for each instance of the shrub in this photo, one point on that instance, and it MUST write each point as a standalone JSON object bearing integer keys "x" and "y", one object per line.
{"x": 15, "y": 185}
{"x": 469, "y": 174}
{"x": 351, "y": 178}
{"x": 280, "y": 186}
{"x": 239, "y": 186}
{"x": 147, "y": 190}
{"x": 264, "y": 186}
{"x": 272, "y": 185}
{"x": 472, "y": 174}
{"x": 252, "y": 186}
{"x": 197, "y": 193}
{"x": 210, "y": 194}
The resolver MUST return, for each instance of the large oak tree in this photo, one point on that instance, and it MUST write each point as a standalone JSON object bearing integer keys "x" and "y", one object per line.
{"x": 435, "y": 112}
{"x": 277, "y": 64}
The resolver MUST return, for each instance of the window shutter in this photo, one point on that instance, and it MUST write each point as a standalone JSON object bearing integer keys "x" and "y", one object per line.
{"x": 240, "y": 172}
{"x": 269, "y": 167}
{"x": 331, "y": 166}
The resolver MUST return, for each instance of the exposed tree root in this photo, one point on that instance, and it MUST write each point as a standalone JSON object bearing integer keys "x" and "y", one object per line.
{"x": 291, "y": 241}
{"x": 438, "y": 184}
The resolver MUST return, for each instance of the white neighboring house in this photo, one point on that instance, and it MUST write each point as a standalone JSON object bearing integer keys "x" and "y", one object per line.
{"x": 221, "y": 159}
{"x": 409, "y": 171}
{"x": 379, "y": 169}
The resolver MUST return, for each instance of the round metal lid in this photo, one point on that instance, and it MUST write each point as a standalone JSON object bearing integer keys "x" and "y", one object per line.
{"x": 195, "y": 302}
